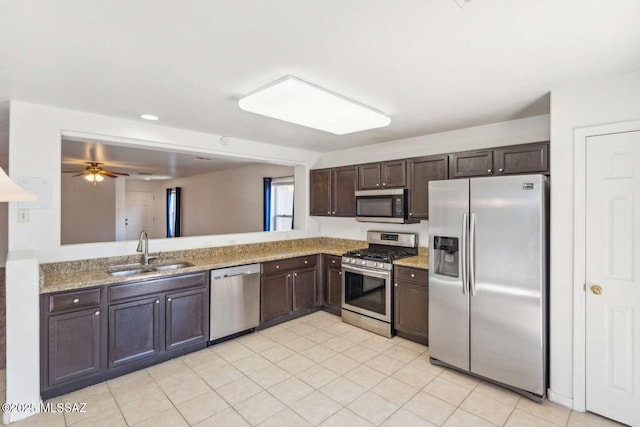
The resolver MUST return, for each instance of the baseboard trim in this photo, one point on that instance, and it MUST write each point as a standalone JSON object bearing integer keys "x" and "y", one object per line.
{"x": 559, "y": 398}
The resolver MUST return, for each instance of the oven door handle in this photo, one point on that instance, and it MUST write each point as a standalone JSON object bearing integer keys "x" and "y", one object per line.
{"x": 367, "y": 272}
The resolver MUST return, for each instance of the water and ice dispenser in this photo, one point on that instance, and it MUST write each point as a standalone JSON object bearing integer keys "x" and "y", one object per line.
{"x": 446, "y": 253}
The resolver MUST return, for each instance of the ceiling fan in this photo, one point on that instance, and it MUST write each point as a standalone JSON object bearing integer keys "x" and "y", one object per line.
{"x": 94, "y": 173}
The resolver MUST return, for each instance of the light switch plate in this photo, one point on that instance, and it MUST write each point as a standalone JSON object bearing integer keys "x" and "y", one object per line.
{"x": 23, "y": 215}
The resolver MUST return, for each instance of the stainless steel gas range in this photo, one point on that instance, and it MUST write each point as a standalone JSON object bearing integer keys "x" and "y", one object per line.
{"x": 367, "y": 280}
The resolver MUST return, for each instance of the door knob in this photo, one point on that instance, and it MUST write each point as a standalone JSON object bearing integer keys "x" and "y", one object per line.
{"x": 596, "y": 289}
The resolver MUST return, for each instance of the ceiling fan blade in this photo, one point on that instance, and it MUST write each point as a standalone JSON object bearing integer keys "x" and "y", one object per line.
{"x": 80, "y": 174}
{"x": 70, "y": 171}
{"x": 119, "y": 173}
{"x": 107, "y": 173}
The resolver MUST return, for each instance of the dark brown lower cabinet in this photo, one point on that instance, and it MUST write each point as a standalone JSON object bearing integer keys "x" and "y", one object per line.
{"x": 95, "y": 334}
{"x": 186, "y": 317}
{"x": 134, "y": 330}
{"x": 288, "y": 287}
{"x": 276, "y": 296}
{"x": 411, "y": 306}
{"x": 74, "y": 345}
{"x": 304, "y": 289}
{"x": 332, "y": 283}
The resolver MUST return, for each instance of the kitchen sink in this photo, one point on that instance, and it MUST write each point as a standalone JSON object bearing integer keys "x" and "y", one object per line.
{"x": 142, "y": 270}
{"x": 172, "y": 266}
{"x": 131, "y": 272}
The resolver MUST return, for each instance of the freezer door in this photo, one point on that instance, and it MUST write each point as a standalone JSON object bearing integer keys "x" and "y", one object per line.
{"x": 448, "y": 297}
{"x": 508, "y": 280}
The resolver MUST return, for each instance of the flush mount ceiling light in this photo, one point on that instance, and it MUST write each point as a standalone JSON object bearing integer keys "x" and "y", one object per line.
{"x": 293, "y": 100}
{"x": 149, "y": 117}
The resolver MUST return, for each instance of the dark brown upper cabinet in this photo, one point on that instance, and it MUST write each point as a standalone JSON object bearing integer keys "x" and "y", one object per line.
{"x": 320, "y": 189}
{"x": 421, "y": 171}
{"x": 527, "y": 158}
{"x": 343, "y": 190}
{"x": 391, "y": 174}
{"x": 511, "y": 160}
{"x": 333, "y": 191}
{"x": 471, "y": 163}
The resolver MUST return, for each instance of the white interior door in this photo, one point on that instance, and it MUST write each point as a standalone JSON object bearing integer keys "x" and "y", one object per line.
{"x": 613, "y": 264}
{"x": 139, "y": 214}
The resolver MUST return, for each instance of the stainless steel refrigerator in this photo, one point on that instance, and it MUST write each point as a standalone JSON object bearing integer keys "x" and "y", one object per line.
{"x": 488, "y": 279}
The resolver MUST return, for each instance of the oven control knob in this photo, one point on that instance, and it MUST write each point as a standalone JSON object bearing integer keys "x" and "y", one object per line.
{"x": 364, "y": 263}
{"x": 380, "y": 265}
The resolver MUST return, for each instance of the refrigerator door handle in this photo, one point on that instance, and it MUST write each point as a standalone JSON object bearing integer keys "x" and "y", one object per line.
{"x": 463, "y": 257}
{"x": 472, "y": 256}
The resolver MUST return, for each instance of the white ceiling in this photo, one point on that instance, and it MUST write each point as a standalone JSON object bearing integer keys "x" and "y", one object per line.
{"x": 431, "y": 65}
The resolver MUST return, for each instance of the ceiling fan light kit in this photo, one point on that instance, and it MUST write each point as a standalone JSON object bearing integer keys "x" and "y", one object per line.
{"x": 296, "y": 101}
{"x": 95, "y": 173}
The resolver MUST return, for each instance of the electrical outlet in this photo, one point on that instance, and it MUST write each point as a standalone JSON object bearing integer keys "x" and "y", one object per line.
{"x": 23, "y": 215}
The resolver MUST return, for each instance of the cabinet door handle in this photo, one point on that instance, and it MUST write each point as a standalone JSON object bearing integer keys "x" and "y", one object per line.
{"x": 76, "y": 300}
{"x": 339, "y": 273}
{"x": 384, "y": 184}
{"x": 168, "y": 299}
{"x": 97, "y": 313}
{"x": 328, "y": 212}
{"x": 410, "y": 213}
{"x": 413, "y": 275}
{"x": 157, "y": 301}
{"x": 489, "y": 170}
{"x": 295, "y": 274}
{"x": 306, "y": 262}
{"x": 396, "y": 285}
{"x": 500, "y": 170}
{"x": 277, "y": 267}
{"x": 333, "y": 213}
{"x": 288, "y": 275}
{"x": 333, "y": 261}
{"x": 377, "y": 184}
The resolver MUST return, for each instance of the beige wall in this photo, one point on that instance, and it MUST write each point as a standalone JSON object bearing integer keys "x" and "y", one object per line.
{"x": 88, "y": 213}
{"x": 225, "y": 202}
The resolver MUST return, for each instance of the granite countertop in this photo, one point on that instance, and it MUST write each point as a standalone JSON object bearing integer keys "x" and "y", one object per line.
{"x": 420, "y": 261}
{"x": 70, "y": 275}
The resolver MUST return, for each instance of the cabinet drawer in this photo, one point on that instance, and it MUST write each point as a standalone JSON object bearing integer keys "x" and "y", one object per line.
{"x": 279, "y": 266}
{"x": 333, "y": 261}
{"x": 131, "y": 290}
{"x": 72, "y": 300}
{"x": 416, "y": 275}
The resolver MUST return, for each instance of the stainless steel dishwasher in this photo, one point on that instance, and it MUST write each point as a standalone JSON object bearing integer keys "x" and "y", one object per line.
{"x": 235, "y": 300}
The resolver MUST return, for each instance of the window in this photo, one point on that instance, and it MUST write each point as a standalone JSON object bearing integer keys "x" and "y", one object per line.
{"x": 279, "y": 204}
{"x": 173, "y": 212}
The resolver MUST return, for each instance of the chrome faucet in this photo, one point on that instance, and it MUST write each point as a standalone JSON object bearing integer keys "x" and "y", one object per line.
{"x": 143, "y": 240}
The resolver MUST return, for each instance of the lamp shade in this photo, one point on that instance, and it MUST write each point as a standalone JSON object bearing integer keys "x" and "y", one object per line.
{"x": 12, "y": 192}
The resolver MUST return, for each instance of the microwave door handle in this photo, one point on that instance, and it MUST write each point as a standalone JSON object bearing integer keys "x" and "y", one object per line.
{"x": 472, "y": 256}
{"x": 463, "y": 257}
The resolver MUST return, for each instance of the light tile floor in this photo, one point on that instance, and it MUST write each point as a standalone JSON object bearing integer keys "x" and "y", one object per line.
{"x": 314, "y": 370}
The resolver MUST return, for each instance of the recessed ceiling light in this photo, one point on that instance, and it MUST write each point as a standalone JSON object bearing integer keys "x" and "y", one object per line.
{"x": 149, "y": 117}
{"x": 293, "y": 100}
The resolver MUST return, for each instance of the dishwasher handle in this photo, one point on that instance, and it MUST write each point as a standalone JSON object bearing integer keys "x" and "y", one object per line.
{"x": 244, "y": 273}
{"x": 242, "y": 270}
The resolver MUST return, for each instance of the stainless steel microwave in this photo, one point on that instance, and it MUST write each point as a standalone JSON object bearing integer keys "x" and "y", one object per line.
{"x": 383, "y": 206}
